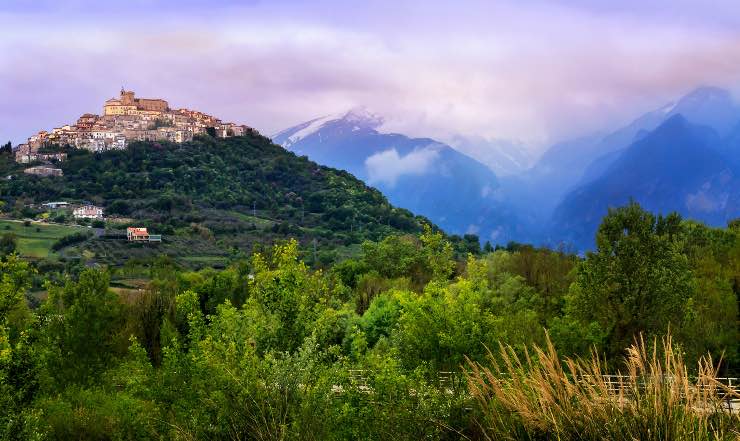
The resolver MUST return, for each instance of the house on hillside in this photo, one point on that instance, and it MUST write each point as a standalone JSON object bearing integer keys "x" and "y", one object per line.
{"x": 88, "y": 212}
{"x": 141, "y": 234}
{"x": 55, "y": 205}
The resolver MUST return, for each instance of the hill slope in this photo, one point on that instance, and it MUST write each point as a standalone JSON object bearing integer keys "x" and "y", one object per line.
{"x": 201, "y": 195}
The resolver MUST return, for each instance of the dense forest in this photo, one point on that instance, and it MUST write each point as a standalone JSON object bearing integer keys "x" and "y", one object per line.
{"x": 406, "y": 340}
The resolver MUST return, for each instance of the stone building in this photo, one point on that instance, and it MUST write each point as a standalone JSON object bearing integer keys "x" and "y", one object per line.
{"x": 128, "y": 104}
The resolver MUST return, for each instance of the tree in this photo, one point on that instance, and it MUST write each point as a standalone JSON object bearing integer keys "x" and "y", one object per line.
{"x": 712, "y": 326}
{"x": 18, "y": 373}
{"x": 6, "y": 149}
{"x": 8, "y": 244}
{"x": 637, "y": 281}
{"x": 439, "y": 254}
{"x": 395, "y": 256}
{"x": 283, "y": 294}
{"x": 15, "y": 279}
{"x": 83, "y": 320}
{"x": 472, "y": 243}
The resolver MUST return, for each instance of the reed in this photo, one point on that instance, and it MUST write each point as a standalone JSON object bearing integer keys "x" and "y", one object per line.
{"x": 540, "y": 395}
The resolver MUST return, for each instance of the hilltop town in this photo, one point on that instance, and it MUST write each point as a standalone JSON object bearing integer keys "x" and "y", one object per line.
{"x": 126, "y": 118}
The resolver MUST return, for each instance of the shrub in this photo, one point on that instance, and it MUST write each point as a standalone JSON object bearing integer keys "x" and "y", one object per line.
{"x": 539, "y": 397}
{"x": 70, "y": 240}
{"x": 8, "y": 243}
{"x": 96, "y": 414}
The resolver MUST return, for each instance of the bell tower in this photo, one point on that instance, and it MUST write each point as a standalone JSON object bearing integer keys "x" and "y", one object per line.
{"x": 127, "y": 97}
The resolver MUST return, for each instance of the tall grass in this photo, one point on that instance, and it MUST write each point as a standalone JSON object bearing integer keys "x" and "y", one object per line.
{"x": 540, "y": 396}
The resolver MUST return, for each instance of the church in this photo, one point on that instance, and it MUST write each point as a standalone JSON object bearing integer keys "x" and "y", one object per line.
{"x": 128, "y": 104}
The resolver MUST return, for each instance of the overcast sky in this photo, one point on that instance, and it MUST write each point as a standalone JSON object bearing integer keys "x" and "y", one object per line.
{"x": 528, "y": 70}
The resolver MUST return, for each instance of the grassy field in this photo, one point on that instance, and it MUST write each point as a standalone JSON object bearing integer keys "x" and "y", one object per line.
{"x": 206, "y": 259}
{"x": 36, "y": 239}
{"x": 260, "y": 221}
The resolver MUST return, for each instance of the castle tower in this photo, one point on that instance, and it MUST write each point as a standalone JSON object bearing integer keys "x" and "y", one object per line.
{"x": 127, "y": 98}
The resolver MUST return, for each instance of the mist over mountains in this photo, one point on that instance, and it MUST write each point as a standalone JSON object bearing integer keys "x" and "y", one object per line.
{"x": 677, "y": 167}
{"x": 452, "y": 189}
{"x": 681, "y": 157}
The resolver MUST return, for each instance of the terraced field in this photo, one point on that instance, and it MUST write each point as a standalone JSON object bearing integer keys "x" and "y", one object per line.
{"x": 35, "y": 240}
{"x": 194, "y": 252}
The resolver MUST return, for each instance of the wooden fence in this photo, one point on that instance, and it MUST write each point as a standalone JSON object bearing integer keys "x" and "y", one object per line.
{"x": 726, "y": 388}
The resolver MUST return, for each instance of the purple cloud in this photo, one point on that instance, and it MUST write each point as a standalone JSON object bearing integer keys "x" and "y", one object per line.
{"x": 533, "y": 71}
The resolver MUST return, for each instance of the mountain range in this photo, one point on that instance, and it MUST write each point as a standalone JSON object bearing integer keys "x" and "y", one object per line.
{"x": 679, "y": 166}
{"x": 682, "y": 156}
{"x": 428, "y": 177}
{"x": 573, "y": 163}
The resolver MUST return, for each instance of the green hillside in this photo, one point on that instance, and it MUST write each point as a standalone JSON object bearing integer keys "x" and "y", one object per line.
{"x": 35, "y": 239}
{"x": 211, "y": 198}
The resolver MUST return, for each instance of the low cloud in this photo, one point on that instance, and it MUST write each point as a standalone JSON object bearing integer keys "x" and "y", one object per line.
{"x": 387, "y": 166}
{"x": 485, "y": 191}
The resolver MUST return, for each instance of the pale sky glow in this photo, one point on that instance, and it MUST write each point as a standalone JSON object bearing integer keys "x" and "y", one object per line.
{"x": 526, "y": 70}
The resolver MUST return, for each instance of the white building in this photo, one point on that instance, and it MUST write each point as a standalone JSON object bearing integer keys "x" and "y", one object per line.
{"x": 119, "y": 143}
{"x": 103, "y": 134}
{"x": 88, "y": 212}
{"x": 55, "y": 205}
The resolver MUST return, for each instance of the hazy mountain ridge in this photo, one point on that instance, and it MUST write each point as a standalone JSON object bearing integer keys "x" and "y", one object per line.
{"x": 680, "y": 167}
{"x": 425, "y": 176}
{"x": 563, "y": 194}
{"x": 571, "y": 163}
{"x": 504, "y": 157}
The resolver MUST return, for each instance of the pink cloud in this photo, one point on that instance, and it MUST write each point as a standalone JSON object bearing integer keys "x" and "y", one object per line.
{"x": 526, "y": 70}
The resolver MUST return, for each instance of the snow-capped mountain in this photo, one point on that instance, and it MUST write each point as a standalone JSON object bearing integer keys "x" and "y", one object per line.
{"x": 682, "y": 156}
{"x": 359, "y": 117}
{"x": 420, "y": 174}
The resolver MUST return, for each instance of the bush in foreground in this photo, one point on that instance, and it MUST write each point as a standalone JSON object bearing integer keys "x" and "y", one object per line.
{"x": 538, "y": 396}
